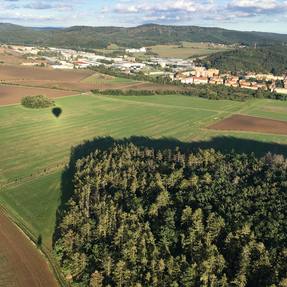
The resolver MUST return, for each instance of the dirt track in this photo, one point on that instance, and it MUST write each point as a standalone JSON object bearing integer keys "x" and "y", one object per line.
{"x": 251, "y": 124}
{"x": 21, "y": 264}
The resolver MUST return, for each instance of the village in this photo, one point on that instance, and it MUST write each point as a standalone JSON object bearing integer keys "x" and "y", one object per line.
{"x": 184, "y": 71}
{"x": 252, "y": 81}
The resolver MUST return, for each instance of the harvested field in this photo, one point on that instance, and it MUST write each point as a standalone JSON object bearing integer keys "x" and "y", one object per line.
{"x": 77, "y": 86}
{"x": 19, "y": 81}
{"x": 104, "y": 85}
{"x": 10, "y": 57}
{"x": 20, "y": 262}
{"x": 13, "y": 94}
{"x": 16, "y": 73}
{"x": 251, "y": 124}
{"x": 187, "y": 50}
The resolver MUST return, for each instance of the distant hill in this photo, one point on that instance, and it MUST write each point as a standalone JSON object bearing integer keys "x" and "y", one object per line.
{"x": 267, "y": 59}
{"x": 145, "y": 35}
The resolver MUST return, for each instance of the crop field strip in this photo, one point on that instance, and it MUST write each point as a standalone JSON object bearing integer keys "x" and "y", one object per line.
{"x": 21, "y": 264}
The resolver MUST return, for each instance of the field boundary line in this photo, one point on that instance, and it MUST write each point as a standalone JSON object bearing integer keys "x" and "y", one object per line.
{"x": 36, "y": 87}
{"x": 15, "y": 183}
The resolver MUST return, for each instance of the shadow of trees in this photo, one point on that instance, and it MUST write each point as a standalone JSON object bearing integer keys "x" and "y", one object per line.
{"x": 223, "y": 144}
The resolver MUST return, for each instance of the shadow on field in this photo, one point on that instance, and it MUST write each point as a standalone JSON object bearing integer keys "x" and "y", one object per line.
{"x": 57, "y": 112}
{"x": 222, "y": 144}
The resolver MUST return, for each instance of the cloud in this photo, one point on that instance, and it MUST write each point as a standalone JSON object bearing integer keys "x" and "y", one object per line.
{"x": 135, "y": 12}
{"x": 258, "y": 7}
{"x": 163, "y": 11}
{"x": 166, "y": 6}
{"x": 188, "y": 10}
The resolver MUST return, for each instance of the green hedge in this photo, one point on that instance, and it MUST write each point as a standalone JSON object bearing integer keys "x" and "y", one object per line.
{"x": 212, "y": 92}
{"x": 37, "y": 102}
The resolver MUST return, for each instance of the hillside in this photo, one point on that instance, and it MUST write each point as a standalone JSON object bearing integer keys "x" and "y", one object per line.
{"x": 269, "y": 59}
{"x": 145, "y": 35}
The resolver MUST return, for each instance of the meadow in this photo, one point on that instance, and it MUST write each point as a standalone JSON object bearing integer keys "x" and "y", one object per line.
{"x": 187, "y": 50}
{"x": 35, "y": 145}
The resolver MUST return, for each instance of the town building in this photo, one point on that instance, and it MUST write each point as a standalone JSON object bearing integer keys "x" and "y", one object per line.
{"x": 141, "y": 50}
{"x": 188, "y": 80}
{"x": 212, "y": 73}
{"x": 232, "y": 82}
{"x": 216, "y": 80}
{"x": 200, "y": 80}
{"x": 200, "y": 72}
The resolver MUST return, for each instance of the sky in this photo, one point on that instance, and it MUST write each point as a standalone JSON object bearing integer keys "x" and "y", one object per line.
{"x": 246, "y": 15}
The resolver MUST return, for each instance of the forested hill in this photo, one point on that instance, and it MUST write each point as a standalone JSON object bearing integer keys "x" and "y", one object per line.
{"x": 145, "y": 35}
{"x": 268, "y": 59}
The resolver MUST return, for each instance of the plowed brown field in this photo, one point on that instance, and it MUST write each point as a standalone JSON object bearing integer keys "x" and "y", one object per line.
{"x": 251, "y": 124}
{"x": 20, "y": 81}
{"x": 14, "y": 73}
{"x": 13, "y": 94}
{"x": 21, "y": 264}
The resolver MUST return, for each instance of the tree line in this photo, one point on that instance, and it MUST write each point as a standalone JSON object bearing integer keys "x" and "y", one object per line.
{"x": 211, "y": 92}
{"x": 149, "y": 217}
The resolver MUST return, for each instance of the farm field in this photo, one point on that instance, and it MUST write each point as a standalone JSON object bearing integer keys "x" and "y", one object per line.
{"x": 20, "y": 263}
{"x": 13, "y": 94}
{"x": 102, "y": 78}
{"x": 35, "y": 146}
{"x": 88, "y": 116}
{"x": 43, "y": 141}
{"x": 9, "y": 57}
{"x": 18, "y": 81}
{"x": 15, "y": 73}
{"x": 251, "y": 124}
{"x": 187, "y": 50}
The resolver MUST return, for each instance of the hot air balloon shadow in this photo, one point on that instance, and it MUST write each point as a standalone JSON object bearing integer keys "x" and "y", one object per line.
{"x": 57, "y": 112}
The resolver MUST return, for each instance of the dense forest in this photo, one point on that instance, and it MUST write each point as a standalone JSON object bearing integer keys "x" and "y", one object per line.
{"x": 145, "y": 35}
{"x": 149, "y": 217}
{"x": 268, "y": 59}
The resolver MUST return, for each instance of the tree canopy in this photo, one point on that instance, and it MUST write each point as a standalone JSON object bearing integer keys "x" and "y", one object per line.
{"x": 266, "y": 59}
{"x": 37, "y": 102}
{"x": 146, "y": 217}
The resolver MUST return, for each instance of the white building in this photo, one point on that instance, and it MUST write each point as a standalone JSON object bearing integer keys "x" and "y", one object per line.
{"x": 141, "y": 50}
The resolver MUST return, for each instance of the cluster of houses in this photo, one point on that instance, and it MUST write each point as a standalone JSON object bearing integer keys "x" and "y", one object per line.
{"x": 252, "y": 81}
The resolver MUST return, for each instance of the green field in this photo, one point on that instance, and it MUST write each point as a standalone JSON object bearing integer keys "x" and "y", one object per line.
{"x": 187, "y": 50}
{"x": 106, "y": 79}
{"x": 35, "y": 145}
